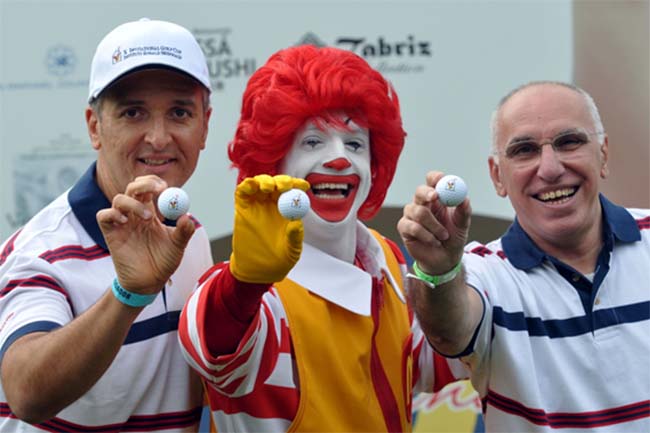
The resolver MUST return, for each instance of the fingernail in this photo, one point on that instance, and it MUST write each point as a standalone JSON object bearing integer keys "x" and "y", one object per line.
{"x": 123, "y": 218}
{"x": 444, "y": 236}
{"x": 146, "y": 214}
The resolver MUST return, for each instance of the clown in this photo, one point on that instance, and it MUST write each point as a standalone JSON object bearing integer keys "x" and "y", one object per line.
{"x": 306, "y": 327}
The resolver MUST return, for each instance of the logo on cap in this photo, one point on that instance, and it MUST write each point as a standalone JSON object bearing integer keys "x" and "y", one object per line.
{"x": 117, "y": 56}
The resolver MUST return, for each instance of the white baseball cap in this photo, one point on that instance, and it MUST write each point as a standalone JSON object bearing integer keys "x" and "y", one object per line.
{"x": 146, "y": 43}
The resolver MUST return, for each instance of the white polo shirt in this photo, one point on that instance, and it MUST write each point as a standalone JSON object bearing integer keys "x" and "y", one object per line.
{"x": 554, "y": 350}
{"x": 53, "y": 270}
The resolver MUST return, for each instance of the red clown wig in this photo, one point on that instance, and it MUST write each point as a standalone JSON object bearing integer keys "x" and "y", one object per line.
{"x": 306, "y": 82}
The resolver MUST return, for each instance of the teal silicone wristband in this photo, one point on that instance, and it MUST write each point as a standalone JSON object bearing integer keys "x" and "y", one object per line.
{"x": 129, "y": 298}
{"x": 436, "y": 280}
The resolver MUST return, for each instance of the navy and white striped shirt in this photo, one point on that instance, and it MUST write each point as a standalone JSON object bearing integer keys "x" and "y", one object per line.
{"x": 555, "y": 350}
{"x": 53, "y": 270}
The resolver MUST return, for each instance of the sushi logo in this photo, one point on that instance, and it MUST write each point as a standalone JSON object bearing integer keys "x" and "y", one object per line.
{"x": 223, "y": 62}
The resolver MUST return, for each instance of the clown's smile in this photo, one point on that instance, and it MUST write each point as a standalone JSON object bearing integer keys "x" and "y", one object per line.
{"x": 335, "y": 160}
{"x": 332, "y": 196}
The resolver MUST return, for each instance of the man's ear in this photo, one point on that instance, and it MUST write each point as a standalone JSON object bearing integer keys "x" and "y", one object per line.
{"x": 495, "y": 175}
{"x": 92, "y": 123}
{"x": 604, "y": 157}
{"x": 206, "y": 120}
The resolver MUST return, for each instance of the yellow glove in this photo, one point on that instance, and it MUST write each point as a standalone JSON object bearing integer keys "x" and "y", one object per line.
{"x": 265, "y": 246}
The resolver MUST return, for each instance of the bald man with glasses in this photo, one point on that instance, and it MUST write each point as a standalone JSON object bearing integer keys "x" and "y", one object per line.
{"x": 552, "y": 319}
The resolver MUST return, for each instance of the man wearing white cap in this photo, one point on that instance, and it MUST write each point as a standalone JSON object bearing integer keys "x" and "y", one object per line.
{"x": 88, "y": 335}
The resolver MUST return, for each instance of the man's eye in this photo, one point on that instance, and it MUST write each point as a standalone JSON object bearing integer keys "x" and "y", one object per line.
{"x": 181, "y": 112}
{"x": 569, "y": 142}
{"x": 522, "y": 150}
{"x": 131, "y": 113}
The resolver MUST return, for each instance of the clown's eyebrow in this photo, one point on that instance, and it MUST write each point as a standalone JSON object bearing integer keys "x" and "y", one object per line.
{"x": 347, "y": 121}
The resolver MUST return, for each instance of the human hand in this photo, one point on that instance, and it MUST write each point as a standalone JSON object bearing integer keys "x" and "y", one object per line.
{"x": 265, "y": 246}
{"x": 145, "y": 252}
{"x": 434, "y": 234}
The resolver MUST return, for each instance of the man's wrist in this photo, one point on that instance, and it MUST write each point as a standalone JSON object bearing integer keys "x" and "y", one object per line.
{"x": 433, "y": 281}
{"x": 129, "y": 298}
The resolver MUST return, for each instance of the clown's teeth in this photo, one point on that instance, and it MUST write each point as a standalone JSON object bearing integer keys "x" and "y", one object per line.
{"x": 331, "y": 186}
{"x": 330, "y": 196}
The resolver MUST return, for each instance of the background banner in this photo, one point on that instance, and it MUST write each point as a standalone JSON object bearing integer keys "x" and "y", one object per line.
{"x": 449, "y": 61}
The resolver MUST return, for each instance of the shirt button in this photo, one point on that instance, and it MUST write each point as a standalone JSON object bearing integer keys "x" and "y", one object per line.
{"x": 575, "y": 278}
{"x": 597, "y": 302}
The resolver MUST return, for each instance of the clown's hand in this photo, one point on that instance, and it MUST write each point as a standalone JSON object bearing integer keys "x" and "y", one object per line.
{"x": 265, "y": 246}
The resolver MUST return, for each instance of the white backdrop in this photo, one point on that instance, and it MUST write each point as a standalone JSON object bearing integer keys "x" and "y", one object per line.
{"x": 457, "y": 58}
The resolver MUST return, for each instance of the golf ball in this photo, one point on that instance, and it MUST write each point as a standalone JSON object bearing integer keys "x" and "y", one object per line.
{"x": 173, "y": 202}
{"x": 451, "y": 190}
{"x": 293, "y": 204}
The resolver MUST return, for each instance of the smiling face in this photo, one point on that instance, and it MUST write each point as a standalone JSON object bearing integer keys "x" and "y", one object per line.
{"x": 556, "y": 195}
{"x": 149, "y": 122}
{"x": 336, "y": 163}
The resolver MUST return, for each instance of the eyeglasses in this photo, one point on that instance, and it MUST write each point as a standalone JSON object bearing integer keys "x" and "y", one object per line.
{"x": 526, "y": 150}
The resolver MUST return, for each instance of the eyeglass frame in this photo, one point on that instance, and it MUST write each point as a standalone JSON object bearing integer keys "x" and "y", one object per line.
{"x": 534, "y": 156}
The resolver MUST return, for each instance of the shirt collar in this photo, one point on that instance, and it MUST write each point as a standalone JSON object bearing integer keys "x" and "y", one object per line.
{"x": 620, "y": 222}
{"x": 524, "y": 254}
{"x": 341, "y": 282}
{"x": 86, "y": 199}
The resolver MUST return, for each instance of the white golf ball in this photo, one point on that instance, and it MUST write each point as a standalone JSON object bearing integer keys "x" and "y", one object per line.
{"x": 173, "y": 202}
{"x": 451, "y": 190}
{"x": 293, "y": 204}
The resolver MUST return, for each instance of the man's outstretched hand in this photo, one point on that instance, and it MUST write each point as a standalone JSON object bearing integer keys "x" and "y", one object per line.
{"x": 145, "y": 251}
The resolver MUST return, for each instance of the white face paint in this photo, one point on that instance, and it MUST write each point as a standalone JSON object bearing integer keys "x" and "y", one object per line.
{"x": 336, "y": 162}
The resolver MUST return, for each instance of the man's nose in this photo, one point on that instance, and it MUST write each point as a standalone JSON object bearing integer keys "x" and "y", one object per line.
{"x": 158, "y": 134}
{"x": 550, "y": 165}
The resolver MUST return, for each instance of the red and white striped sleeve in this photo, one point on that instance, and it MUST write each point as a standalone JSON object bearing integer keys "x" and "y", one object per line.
{"x": 266, "y": 336}
{"x": 431, "y": 371}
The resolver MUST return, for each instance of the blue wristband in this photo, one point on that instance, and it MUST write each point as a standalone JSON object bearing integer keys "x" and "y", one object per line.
{"x": 129, "y": 298}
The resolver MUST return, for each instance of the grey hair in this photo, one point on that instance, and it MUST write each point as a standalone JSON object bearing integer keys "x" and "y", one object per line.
{"x": 591, "y": 106}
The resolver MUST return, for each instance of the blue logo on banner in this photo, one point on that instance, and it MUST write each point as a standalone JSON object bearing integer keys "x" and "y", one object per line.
{"x": 60, "y": 60}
